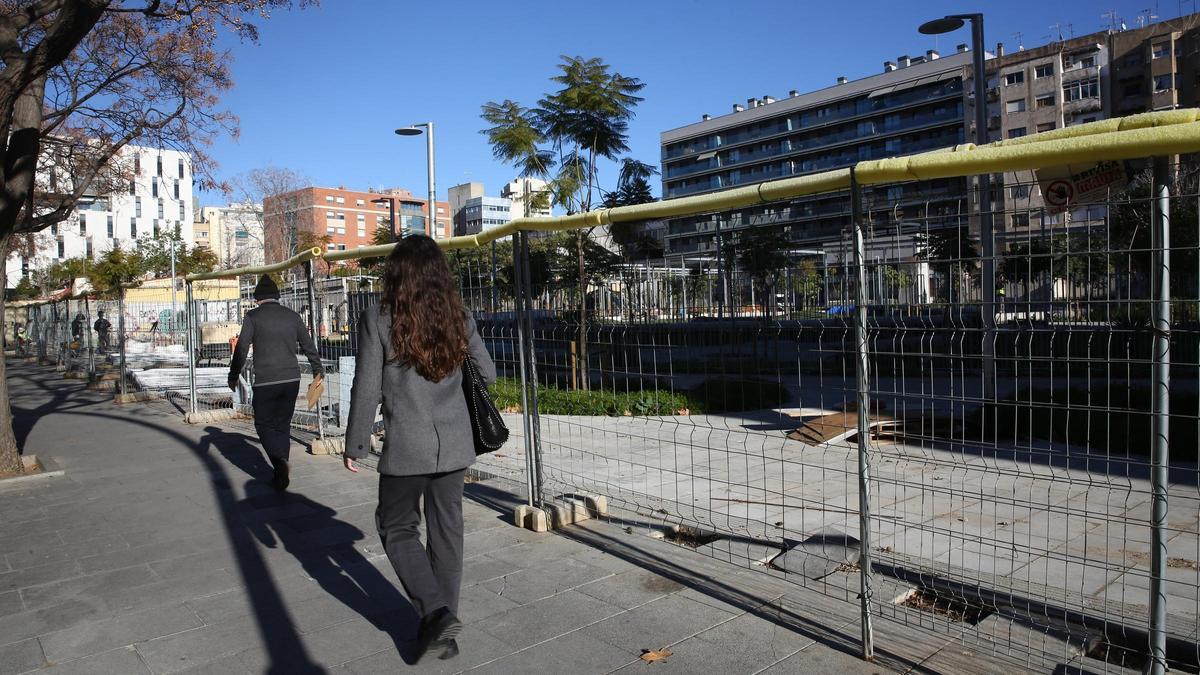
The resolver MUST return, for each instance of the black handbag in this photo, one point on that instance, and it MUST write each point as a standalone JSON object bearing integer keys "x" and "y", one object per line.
{"x": 487, "y": 427}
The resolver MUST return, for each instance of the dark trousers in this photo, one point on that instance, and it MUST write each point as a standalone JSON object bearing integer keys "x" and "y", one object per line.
{"x": 273, "y": 408}
{"x": 431, "y": 574}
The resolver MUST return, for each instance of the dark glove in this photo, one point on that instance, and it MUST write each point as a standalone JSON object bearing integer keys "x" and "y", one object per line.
{"x": 233, "y": 381}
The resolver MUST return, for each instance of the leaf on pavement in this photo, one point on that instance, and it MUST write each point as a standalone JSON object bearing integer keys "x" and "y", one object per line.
{"x": 652, "y": 655}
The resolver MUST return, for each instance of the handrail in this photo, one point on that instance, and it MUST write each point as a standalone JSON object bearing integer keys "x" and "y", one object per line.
{"x": 1159, "y": 133}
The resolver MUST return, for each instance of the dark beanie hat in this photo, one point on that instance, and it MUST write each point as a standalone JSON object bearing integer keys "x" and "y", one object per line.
{"x": 266, "y": 289}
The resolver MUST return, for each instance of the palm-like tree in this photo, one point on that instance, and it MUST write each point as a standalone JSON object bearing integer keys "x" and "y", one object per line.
{"x": 564, "y": 137}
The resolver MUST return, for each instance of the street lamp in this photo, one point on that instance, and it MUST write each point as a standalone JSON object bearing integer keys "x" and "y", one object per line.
{"x": 947, "y": 24}
{"x": 415, "y": 130}
{"x": 391, "y": 213}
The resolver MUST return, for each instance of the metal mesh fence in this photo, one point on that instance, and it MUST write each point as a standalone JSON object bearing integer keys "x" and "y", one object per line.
{"x": 871, "y": 415}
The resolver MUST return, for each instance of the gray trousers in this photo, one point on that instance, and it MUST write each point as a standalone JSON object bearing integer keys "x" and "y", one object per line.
{"x": 431, "y": 574}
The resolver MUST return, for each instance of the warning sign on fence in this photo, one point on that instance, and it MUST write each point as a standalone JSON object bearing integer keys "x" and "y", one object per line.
{"x": 1065, "y": 186}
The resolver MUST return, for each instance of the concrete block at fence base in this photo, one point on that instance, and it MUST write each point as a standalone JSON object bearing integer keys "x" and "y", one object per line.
{"x": 30, "y": 359}
{"x": 102, "y": 385}
{"x": 327, "y": 446}
{"x": 135, "y": 397}
{"x": 210, "y": 416}
{"x": 110, "y": 376}
{"x": 530, "y": 518}
{"x": 75, "y": 375}
{"x": 820, "y": 555}
{"x": 60, "y": 368}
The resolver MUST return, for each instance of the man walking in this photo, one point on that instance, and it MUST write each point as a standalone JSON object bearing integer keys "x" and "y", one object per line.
{"x": 277, "y": 334}
{"x": 102, "y": 327}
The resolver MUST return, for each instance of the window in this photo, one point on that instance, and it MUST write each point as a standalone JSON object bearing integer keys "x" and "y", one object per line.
{"x": 1162, "y": 83}
{"x": 1020, "y": 220}
{"x": 132, "y": 186}
{"x": 1017, "y": 132}
{"x": 329, "y": 199}
{"x": 441, "y": 211}
{"x": 53, "y": 228}
{"x": 137, "y": 164}
{"x": 329, "y": 215}
{"x": 155, "y": 229}
{"x": 1046, "y": 101}
{"x": 1081, "y": 89}
{"x": 160, "y": 209}
{"x": 62, "y": 248}
{"x": 1044, "y": 70}
{"x": 1085, "y": 62}
{"x": 160, "y": 165}
{"x": 133, "y": 228}
{"x": 181, "y": 167}
{"x": 358, "y": 202}
{"x": 82, "y": 225}
{"x": 110, "y": 227}
{"x": 341, "y": 200}
{"x": 330, "y": 229}
{"x": 1019, "y": 191}
{"x": 88, "y": 248}
{"x": 137, "y": 207}
{"x": 341, "y": 216}
{"x": 1161, "y": 50}
{"x": 1048, "y": 126}
{"x": 330, "y": 247}
{"x": 153, "y": 188}
{"x": 182, "y": 212}
{"x": 362, "y": 218}
{"x": 1015, "y": 106}
{"x": 176, "y": 190}
{"x": 1014, "y": 78}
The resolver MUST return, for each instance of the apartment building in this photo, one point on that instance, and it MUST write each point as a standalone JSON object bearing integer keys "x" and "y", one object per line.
{"x": 516, "y": 189}
{"x": 158, "y": 200}
{"x": 349, "y": 218}
{"x": 1098, "y": 76}
{"x": 915, "y": 104}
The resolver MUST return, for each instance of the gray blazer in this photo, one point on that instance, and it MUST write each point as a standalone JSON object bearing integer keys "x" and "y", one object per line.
{"x": 426, "y": 427}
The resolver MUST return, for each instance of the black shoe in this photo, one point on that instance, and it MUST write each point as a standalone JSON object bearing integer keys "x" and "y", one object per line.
{"x": 281, "y": 480}
{"x": 438, "y": 630}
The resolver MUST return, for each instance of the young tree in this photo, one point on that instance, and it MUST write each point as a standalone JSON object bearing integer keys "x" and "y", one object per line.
{"x": 763, "y": 254}
{"x": 82, "y": 80}
{"x": 584, "y": 121}
{"x": 955, "y": 257}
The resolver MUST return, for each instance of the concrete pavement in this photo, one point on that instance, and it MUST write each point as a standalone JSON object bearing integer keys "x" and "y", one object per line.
{"x": 163, "y": 549}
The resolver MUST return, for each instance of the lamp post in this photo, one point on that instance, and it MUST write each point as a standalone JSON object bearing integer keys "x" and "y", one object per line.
{"x": 413, "y": 131}
{"x": 947, "y": 24}
{"x": 391, "y": 214}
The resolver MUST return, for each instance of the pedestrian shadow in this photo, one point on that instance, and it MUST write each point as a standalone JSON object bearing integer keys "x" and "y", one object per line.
{"x": 313, "y": 535}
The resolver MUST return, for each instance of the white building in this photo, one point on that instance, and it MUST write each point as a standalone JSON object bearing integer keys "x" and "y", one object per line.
{"x": 484, "y": 213}
{"x": 234, "y": 233}
{"x": 158, "y": 200}
{"x": 516, "y": 190}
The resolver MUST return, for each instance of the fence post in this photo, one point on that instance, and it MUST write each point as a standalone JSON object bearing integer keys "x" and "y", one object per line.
{"x": 862, "y": 364}
{"x": 121, "y": 338}
{"x": 189, "y": 314}
{"x": 525, "y": 361}
{"x": 87, "y": 330}
{"x": 314, "y": 325}
{"x": 1160, "y": 280}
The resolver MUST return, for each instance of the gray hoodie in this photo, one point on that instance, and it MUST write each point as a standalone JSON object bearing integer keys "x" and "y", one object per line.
{"x": 277, "y": 335}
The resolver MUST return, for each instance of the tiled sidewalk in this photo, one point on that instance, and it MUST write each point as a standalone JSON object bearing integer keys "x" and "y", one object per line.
{"x": 162, "y": 549}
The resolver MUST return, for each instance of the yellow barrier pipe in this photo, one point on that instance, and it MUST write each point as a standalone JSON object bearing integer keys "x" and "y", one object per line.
{"x": 301, "y": 257}
{"x": 1131, "y": 144}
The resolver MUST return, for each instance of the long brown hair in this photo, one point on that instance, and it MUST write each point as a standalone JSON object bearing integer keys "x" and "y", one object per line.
{"x": 429, "y": 331}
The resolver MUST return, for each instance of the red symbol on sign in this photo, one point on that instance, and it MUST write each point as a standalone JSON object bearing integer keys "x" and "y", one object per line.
{"x": 1059, "y": 192}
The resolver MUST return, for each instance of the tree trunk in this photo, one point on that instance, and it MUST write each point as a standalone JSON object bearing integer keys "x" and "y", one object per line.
{"x": 10, "y": 457}
{"x": 585, "y": 380}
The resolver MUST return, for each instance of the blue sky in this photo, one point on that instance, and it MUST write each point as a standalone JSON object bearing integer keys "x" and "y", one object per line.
{"x": 323, "y": 89}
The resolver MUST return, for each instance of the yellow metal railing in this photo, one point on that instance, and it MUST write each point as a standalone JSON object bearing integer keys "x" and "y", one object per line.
{"x": 1150, "y": 134}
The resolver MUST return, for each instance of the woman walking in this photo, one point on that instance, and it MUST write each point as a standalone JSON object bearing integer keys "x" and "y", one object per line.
{"x": 410, "y": 352}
